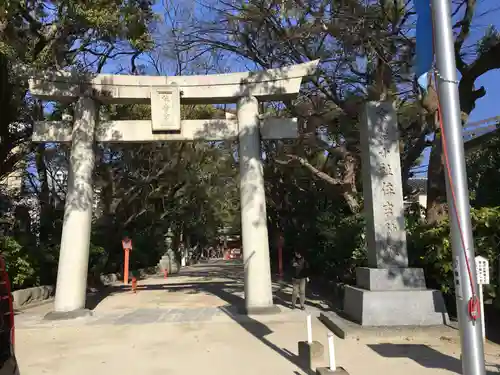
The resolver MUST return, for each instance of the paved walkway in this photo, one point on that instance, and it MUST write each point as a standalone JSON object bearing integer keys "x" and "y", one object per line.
{"x": 190, "y": 323}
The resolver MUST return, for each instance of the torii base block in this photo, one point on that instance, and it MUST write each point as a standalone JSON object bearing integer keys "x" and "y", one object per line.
{"x": 64, "y": 315}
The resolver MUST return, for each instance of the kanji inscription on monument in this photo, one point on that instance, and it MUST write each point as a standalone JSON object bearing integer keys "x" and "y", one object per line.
{"x": 382, "y": 187}
{"x": 165, "y": 109}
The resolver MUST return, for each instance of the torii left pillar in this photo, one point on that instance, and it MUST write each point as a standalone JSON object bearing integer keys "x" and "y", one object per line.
{"x": 75, "y": 240}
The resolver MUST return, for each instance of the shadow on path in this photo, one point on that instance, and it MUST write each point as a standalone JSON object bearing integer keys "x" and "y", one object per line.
{"x": 254, "y": 327}
{"x": 492, "y": 322}
{"x": 226, "y": 289}
{"x": 424, "y": 355}
{"x": 284, "y": 298}
{"x": 225, "y": 280}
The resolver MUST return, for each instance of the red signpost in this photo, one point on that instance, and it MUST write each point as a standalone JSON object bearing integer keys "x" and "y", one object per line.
{"x": 127, "y": 247}
{"x": 281, "y": 242}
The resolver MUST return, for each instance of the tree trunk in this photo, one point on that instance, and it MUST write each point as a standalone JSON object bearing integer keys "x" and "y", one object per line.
{"x": 436, "y": 200}
{"x": 44, "y": 195}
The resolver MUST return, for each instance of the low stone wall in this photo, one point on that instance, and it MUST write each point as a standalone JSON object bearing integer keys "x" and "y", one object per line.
{"x": 109, "y": 279}
{"x": 25, "y": 297}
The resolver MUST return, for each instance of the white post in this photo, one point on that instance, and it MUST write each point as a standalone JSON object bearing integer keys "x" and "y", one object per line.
{"x": 258, "y": 287}
{"x": 309, "y": 330}
{"x": 481, "y": 301}
{"x": 75, "y": 240}
{"x": 331, "y": 352}
{"x": 483, "y": 278}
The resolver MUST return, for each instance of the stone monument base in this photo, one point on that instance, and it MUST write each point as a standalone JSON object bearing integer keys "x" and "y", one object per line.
{"x": 393, "y": 297}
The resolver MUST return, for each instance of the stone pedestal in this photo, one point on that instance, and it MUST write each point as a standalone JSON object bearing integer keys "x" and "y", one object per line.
{"x": 168, "y": 262}
{"x": 327, "y": 371}
{"x": 311, "y": 354}
{"x": 164, "y": 263}
{"x": 393, "y": 297}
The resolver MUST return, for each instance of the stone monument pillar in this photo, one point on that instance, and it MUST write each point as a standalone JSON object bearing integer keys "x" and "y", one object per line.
{"x": 387, "y": 292}
{"x": 258, "y": 287}
{"x": 75, "y": 239}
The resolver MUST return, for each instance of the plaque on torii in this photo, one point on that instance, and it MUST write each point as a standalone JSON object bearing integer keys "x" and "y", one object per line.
{"x": 166, "y": 109}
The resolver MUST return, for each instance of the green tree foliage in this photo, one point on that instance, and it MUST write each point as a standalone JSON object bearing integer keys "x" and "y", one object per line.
{"x": 430, "y": 248}
{"x": 483, "y": 169}
{"x": 42, "y": 35}
{"x": 20, "y": 265}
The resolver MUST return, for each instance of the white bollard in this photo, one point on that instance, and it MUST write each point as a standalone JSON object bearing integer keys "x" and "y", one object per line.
{"x": 331, "y": 352}
{"x": 309, "y": 330}
{"x": 483, "y": 278}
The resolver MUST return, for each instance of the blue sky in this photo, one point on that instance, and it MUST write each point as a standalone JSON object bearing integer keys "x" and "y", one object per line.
{"x": 487, "y": 13}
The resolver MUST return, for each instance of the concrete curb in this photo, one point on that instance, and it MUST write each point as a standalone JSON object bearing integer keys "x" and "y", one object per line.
{"x": 347, "y": 330}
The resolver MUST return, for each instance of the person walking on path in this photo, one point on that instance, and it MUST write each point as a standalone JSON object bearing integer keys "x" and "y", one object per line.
{"x": 299, "y": 280}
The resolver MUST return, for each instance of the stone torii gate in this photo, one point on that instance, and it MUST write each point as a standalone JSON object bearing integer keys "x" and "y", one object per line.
{"x": 165, "y": 94}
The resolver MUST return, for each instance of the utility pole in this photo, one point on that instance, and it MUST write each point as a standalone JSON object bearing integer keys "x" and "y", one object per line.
{"x": 457, "y": 191}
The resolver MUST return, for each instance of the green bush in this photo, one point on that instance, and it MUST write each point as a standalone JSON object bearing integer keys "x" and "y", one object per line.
{"x": 341, "y": 247}
{"x": 21, "y": 268}
{"x": 98, "y": 259}
{"x": 430, "y": 248}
